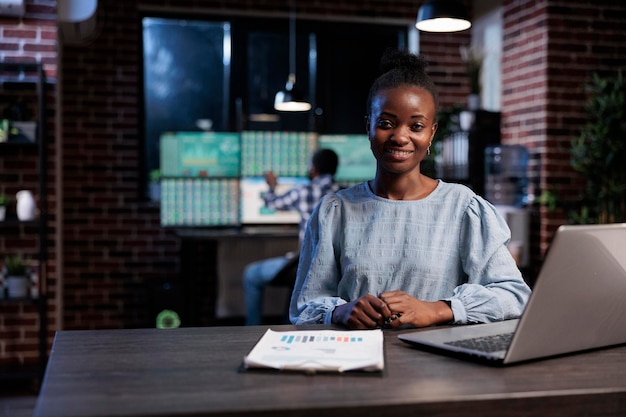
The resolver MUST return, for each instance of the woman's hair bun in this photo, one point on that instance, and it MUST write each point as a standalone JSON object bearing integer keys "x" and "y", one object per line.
{"x": 394, "y": 58}
{"x": 401, "y": 68}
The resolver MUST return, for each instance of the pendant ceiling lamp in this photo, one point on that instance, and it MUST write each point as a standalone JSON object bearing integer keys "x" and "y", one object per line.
{"x": 443, "y": 16}
{"x": 291, "y": 98}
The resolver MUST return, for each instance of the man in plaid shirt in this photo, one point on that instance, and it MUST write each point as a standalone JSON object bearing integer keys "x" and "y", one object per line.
{"x": 303, "y": 199}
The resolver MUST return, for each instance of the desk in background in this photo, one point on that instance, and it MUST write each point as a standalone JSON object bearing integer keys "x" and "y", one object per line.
{"x": 212, "y": 265}
{"x": 195, "y": 372}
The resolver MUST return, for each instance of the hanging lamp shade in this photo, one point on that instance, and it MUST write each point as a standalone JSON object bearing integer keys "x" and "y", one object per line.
{"x": 291, "y": 98}
{"x": 443, "y": 16}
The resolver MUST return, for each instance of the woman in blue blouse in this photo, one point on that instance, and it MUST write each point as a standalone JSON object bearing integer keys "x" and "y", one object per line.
{"x": 403, "y": 248}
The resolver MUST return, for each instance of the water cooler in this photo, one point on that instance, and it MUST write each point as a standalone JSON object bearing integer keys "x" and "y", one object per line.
{"x": 506, "y": 182}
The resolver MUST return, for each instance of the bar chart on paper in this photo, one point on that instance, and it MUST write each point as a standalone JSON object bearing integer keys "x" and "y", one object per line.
{"x": 319, "y": 351}
{"x": 326, "y": 339}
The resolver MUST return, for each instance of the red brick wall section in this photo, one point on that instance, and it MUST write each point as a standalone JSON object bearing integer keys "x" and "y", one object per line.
{"x": 445, "y": 65}
{"x": 551, "y": 48}
{"x": 31, "y": 38}
{"x": 113, "y": 245}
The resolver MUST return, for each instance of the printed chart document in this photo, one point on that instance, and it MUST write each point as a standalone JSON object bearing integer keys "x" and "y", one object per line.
{"x": 319, "y": 351}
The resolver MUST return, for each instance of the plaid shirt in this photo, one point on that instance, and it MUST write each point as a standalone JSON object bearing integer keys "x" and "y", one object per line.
{"x": 303, "y": 198}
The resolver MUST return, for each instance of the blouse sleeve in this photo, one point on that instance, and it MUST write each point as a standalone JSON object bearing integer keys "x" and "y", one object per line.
{"x": 314, "y": 295}
{"x": 495, "y": 289}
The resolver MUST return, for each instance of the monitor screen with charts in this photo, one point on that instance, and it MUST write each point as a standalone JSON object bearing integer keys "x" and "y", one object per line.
{"x": 285, "y": 153}
{"x": 253, "y": 209}
{"x": 199, "y": 202}
{"x": 200, "y": 154}
{"x": 356, "y": 161}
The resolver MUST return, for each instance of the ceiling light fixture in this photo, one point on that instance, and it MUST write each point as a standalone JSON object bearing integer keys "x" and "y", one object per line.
{"x": 443, "y": 16}
{"x": 291, "y": 98}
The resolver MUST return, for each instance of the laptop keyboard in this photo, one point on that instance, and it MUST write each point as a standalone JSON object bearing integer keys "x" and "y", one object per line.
{"x": 485, "y": 343}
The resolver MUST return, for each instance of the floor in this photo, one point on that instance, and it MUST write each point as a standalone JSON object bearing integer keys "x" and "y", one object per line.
{"x": 17, "y": 399}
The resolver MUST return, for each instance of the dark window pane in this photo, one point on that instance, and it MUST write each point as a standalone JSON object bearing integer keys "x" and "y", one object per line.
{"x": 185, "y": 81}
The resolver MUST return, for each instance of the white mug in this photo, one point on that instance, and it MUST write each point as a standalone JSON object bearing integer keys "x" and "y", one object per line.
{"x": 26, "y": 208}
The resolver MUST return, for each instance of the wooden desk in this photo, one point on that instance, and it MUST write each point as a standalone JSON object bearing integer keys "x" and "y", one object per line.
{"x": 194, "y": 372}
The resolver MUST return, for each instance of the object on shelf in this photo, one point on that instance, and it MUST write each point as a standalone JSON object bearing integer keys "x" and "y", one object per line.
{"x": 34, "y": 283}
{"x": 17, "y": 286}
{"x": 4, "y": 202}
{"x": 17, "y": 280}
{"x": 26, "y": 207}
{"x": 23, "y": 131}
{"x": 18, "y": 124}
{"x": 4, "y": 130}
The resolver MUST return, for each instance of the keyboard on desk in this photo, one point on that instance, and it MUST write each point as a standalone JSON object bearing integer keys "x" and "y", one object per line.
{"x": 492, "y": 343}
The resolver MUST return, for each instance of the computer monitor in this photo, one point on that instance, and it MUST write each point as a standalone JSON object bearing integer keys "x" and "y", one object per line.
{"x": 356, "y": 162}
{"x": 199, "y": 202}
{"x": 285, "y": 153}
{"x": 253, "y": 209}
{"x": 200, "y": 154}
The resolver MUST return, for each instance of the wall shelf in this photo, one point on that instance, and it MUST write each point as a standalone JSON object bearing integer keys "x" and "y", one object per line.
{"x": 27, "y": 81}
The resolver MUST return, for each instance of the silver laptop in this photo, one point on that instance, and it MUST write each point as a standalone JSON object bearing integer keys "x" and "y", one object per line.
{"x": 578, "y": 303}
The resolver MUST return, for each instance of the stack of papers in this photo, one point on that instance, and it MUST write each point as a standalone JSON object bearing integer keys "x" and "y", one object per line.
{"x": 319, "y": 351}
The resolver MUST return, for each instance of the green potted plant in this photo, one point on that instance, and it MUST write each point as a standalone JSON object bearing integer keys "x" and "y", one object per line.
{"x": 4, "y": 202}
{"x": 598, "y": 155}
{"x": 473, "y": 57}
{"x": 17, "y": 279}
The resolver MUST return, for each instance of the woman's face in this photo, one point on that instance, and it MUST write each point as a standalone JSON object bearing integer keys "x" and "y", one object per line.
{"x": 401, "y": 126}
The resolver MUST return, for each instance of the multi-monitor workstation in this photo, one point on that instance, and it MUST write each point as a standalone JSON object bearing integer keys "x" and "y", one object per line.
{"x": 216, "y": 179}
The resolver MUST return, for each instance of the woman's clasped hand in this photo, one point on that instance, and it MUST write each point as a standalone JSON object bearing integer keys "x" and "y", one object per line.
{"x": 391, "y": 309}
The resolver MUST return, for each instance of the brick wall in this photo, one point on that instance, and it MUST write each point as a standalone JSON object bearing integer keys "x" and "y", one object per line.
{"x": 551, "y": 49}
{"x": 113, "y": 247}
